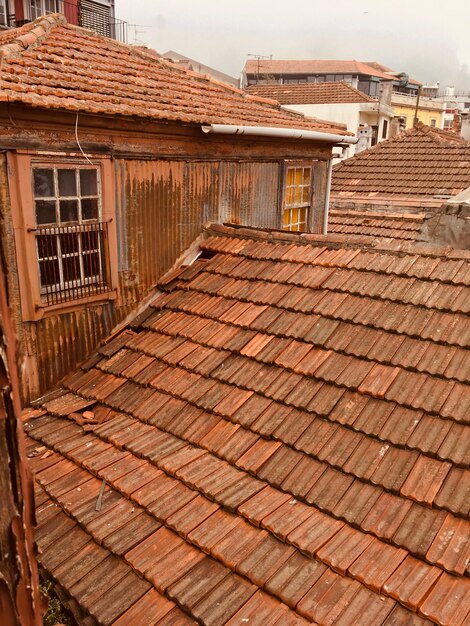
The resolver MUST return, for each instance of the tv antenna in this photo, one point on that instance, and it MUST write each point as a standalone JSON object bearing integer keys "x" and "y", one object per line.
{"x": 258, "y": 57}
{"x": 139, "y": 29}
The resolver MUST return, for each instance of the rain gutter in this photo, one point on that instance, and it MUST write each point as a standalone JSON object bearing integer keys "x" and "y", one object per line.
{"x": 286, "y": 133}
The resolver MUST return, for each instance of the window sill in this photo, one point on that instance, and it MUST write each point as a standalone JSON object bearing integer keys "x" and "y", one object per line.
{"x": 45, "y": 310}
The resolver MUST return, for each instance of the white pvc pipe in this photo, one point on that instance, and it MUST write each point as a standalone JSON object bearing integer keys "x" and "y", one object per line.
{"x": 288, "y": 133}
{"x": 327, "y": 197}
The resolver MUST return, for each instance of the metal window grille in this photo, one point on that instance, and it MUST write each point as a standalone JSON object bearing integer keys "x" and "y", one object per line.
{"x": 73, "y": 261}
{"x": 71, "y": 239}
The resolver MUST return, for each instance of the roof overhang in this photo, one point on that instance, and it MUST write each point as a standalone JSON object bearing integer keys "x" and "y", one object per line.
{"x": 286, "y": 133}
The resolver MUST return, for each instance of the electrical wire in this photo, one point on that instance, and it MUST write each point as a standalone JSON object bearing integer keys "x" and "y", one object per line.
{"x": 78, "y": 142}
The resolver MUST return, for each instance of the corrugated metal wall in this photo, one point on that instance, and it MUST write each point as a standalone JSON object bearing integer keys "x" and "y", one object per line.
{"x": 60, "y": 342}
{"x": 249, "y": 194}
{"x": 161, "y": 208}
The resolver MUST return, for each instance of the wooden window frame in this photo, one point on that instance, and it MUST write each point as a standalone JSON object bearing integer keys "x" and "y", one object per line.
{"x": 296, "y": 206}
{"x": 34, "y": 306}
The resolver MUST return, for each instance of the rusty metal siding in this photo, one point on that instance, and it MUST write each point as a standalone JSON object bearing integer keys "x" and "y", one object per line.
{"x": 320, "y": 172}
{"x": 163, "y": 205}
{"x": 249, "y": 193}
{"x": 60, "y": 342}
{"x": 161, "y": 208}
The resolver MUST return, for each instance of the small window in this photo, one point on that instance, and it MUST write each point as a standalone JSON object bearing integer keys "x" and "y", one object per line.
{"x": 71, "y": 239}
{"x": 36, "y": 8}
{"x": 433, "y": 123}
{"x": 4, "y": 13}
{"x": 384, "y": 129}
{"x": 297, "y": 198}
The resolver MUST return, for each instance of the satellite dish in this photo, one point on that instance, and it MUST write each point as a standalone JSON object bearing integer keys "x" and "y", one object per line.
{"x": 403, "y": 78}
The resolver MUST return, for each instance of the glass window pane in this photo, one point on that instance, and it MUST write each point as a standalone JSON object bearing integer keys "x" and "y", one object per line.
{"x": 298, "y": 195}
{"x": 305, "y": 194}
{"x": 298, "y": 176}
{"x": 289, "y": 195}
{"x": 47, "y": 246}
{"x": 67, "y": 182}
{"x": 69, "y": 243}
{"x": 68, "y": 210}
{"x": 290, "y": 176}
{"x": 49, "y": 271}
{"x": 88, "y": 183}
{"x": 43, "y": 183}
{"x": 71, "y": 268}
{"x": 306, "y": 177}
{"x": 89, "y": 208}
{"x": 45, "y": 212}
{"x": 286, "y": 218}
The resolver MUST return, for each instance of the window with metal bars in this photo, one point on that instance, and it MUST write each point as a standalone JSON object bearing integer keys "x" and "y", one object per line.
{"x": 297, "y": 197}
{"x": 71, "y": 238}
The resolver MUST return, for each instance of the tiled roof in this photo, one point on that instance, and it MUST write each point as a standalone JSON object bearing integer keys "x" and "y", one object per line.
{"x": 389, "y": 225}
{"x": 58, "y": 66}
{"x": 279, "y": 66}
{"x": 310, "y": 93}
{"x": 283, "y": 435}
{"x": 420, "y": 163}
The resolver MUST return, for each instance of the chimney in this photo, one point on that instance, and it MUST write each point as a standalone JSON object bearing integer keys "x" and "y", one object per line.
{"x": 364, "y": 134}
{"x": 457, "y": 123}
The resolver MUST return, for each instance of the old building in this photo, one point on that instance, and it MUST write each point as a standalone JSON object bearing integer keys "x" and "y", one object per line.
{"x": 416, "y": 171}
{"x": 368, "y": 77}
{"x": 430, "y": 110}
{"x": 98, "y": 15}
{"x": 336, "y": 101}
{"x": 394, "y": 90}
{"x": 281, "y": 437}
{"x": 112, "y": 161}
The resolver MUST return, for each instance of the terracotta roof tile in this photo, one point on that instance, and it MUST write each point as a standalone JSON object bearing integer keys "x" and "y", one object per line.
{"x": 402, "y": 168}
{"x": 54, "y": 65}
{"x": 317, "y": 452}
{"x": 309, "y": 93}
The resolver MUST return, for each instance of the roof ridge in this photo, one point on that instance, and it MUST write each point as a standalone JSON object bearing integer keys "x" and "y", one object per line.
{"x": 35, "y": 35}
{"x": 215, "y": 81}
{"x": 382, "y": 244}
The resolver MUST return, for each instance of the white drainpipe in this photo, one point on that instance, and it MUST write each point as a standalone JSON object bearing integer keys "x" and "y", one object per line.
{"x": 287, "y": 133}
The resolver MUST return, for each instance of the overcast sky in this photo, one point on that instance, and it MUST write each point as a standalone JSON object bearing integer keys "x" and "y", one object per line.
{"x": 428, "y": 40}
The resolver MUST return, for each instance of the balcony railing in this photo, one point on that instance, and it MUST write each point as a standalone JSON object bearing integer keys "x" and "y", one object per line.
{"x": 84, "y": 13}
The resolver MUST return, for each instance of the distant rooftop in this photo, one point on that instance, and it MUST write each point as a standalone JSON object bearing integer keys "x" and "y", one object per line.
{"x": 197, "y": 66}
{"x": 422, "y": 164}
{"x": 310, "y": 93}
{"x": 322, "y": 66}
